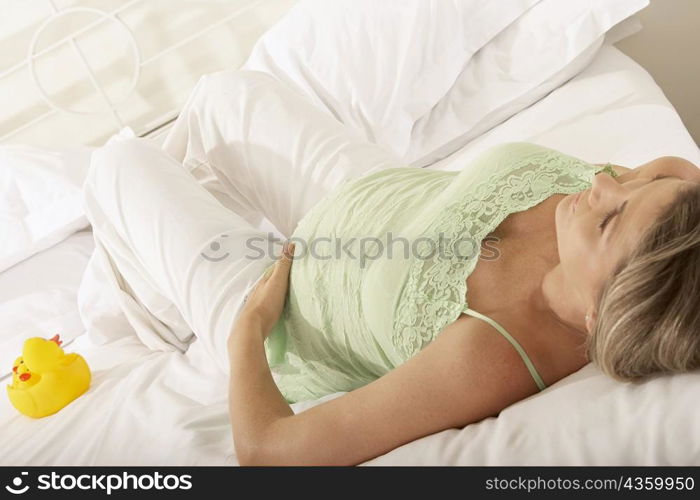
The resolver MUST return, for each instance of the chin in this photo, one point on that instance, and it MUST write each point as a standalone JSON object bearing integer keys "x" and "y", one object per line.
{"x": 562, "y": 220}
{"x": 560, "y": 213}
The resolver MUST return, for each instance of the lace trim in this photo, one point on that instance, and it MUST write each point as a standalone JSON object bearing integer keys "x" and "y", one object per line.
{"x": 435, "y": 291}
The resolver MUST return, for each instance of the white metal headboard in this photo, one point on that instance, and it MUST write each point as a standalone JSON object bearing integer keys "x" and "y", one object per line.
{"x": 74, "y": 72}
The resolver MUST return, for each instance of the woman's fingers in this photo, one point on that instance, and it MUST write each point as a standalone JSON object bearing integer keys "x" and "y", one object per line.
{"x": 267, "y": 299}
{"x": 288, "y": 253}
{"x": 283, "y": 264}
{"x": 288, "y": 250}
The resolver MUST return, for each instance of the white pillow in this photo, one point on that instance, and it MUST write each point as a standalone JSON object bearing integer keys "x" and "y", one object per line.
{"x": 544, "y": 48}
{"x": 40, "y": 199}
{"x": 586, "y": 419}
{"x": 379, "y": 66}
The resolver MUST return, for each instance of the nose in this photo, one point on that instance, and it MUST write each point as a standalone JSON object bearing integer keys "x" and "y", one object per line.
{"x": 605, "y": 189}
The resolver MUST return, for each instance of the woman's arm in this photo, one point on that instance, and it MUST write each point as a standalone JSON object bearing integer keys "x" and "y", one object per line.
{"x": 255, "y": 403}
{"x": 468, "y": 373}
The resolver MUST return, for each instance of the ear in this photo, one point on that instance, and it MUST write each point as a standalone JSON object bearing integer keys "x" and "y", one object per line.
{"x": 591, "y": 317}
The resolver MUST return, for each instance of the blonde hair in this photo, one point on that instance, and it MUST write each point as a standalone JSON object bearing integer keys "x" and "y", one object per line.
{"x": 648, "y": 319}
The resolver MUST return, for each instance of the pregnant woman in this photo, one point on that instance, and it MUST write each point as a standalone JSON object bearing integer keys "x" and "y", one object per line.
{"x": 433, "y": 299}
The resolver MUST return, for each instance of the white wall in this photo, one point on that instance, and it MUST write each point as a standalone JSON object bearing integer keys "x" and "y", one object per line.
{"x": 668, "y": 46}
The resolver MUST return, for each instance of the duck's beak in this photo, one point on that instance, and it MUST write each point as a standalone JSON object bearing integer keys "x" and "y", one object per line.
{"x": 56, "y": 339}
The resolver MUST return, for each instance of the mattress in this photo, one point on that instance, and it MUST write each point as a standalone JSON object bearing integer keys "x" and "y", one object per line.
{"x": 159, "y": 408}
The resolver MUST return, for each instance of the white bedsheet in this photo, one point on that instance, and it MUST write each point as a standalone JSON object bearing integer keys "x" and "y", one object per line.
{"x": 148, "y": 407}
{"x": 38, "y": 297}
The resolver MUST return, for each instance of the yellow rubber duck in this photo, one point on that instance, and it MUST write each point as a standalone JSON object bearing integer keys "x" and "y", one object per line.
{"x": 46, "y": 379}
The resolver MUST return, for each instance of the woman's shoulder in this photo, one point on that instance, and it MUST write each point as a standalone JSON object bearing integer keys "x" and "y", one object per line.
{"x": 674, "y": 166}
{"x": 619, "y": 169}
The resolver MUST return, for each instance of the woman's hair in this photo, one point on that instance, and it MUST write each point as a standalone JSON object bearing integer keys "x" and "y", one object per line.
{"x": 648, "y": 317}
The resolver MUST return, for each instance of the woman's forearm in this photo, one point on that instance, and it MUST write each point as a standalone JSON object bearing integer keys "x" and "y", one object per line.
{"x": 255, "y": 402}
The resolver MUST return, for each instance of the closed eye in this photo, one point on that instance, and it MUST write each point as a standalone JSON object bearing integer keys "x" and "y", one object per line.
{"x": 608, "y": 216}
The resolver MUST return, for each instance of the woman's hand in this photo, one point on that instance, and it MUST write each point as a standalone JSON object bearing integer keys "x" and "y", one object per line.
{"x": 266, "y": 300}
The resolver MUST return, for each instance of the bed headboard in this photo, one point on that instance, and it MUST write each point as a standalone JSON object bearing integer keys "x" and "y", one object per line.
{"x": 73, "y": 72}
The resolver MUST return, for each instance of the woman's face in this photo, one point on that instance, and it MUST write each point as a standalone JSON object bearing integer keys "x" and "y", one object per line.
{"x": 598, "y": 227}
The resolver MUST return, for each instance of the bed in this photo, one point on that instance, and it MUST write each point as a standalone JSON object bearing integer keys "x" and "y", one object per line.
{"x": 158, "y": 408}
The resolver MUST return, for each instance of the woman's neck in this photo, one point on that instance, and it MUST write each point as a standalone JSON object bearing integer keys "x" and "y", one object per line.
{"x": 555, "y": 298}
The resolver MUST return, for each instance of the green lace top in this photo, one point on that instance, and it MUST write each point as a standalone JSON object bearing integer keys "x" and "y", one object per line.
{"x": 381, "y": 263}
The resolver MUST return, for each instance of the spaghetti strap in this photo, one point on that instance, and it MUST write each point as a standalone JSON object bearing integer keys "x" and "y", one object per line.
{"x": 608, "y": 169}
{"x": 530, "y": 366}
